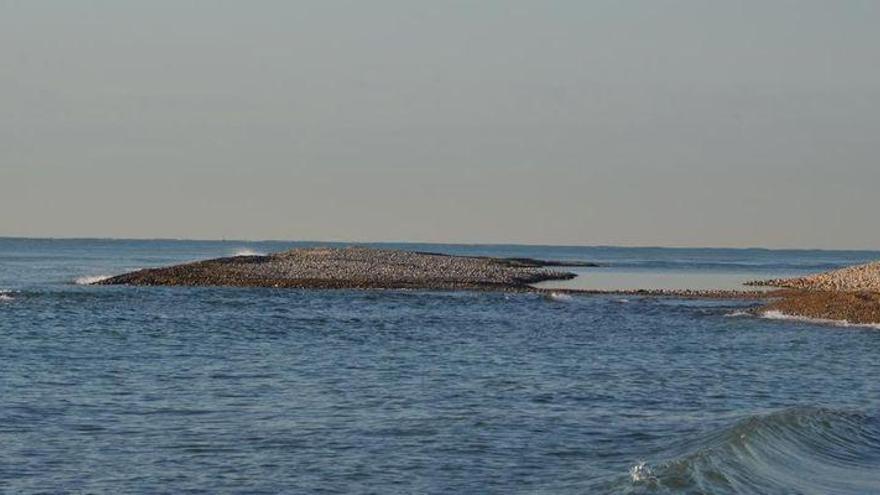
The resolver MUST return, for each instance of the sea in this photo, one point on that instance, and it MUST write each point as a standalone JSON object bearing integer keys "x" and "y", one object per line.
{"x": 264, "y": 391}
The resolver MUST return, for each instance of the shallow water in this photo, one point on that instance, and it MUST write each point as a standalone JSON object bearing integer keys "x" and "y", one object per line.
{"x": 613, "y": 278}
{"x": 139, "y": 390}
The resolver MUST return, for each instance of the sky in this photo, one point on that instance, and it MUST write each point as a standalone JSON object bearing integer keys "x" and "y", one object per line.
{"x": 656, "y": 122}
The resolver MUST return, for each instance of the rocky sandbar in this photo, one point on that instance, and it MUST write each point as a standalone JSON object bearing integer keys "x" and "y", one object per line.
{"x": 855, "y": 307}
{"x": 850, "y": 295}
{"x": 864, "y": 277}
{"x": 355, "y": 268}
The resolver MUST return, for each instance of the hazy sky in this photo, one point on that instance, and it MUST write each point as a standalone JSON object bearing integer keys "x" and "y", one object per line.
{"x": 703, "y": 123}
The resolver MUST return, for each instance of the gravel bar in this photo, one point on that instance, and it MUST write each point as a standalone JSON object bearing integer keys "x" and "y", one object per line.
{"x": 354, "y": 268}
{"x": 850, "y": 295}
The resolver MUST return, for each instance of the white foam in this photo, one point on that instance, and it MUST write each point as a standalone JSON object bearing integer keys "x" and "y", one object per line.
{"x": 6, "y": 295}
{"x": 641, "y": 473}
{"x": 91, "y": 279}
{"x": 737, "y": 313}
{"x": 560, "y": 296}
{"x": 779, "y": 315}
{"x": 622, "y": 300}
{"x": 247, "y": 252}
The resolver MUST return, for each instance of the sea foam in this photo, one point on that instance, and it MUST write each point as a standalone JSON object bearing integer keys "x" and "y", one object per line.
{"x": 247, "y": 252}
{"x": 91, "y": 279}
{"x": 6, "y": 295}
{"x": 779, "y": 315}
{"x": 641, "y": 473}
{"x": 737, "y": 313}
{"x": 560, "y": 296}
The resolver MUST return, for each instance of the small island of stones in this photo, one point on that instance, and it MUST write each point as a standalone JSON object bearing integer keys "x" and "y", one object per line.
{"x": 850, "y": 294}
{"x": 355, "y": 268}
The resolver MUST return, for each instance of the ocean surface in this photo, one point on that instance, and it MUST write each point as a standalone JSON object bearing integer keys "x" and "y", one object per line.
{"x": 227, "y": 390}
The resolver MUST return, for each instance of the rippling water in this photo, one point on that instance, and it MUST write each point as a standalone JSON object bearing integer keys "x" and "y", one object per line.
{"x": 144, "y": 390}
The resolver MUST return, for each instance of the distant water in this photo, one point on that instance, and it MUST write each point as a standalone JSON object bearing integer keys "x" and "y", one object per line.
{"x": 219, "y": 390}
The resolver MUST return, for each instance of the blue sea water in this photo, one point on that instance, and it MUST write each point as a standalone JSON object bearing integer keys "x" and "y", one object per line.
{"x": 227, "y": 390}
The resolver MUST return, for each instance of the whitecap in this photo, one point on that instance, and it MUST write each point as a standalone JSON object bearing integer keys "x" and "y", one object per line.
{"x": 642, "y": 473}
{"x": 91, "y": 279}
{"x": 779, "y": 315}
{"x": 737, "y": 314}
{"x": 6, "y": 295}
{"x": 247, "y": 252}
{"x": 560, "y": 296}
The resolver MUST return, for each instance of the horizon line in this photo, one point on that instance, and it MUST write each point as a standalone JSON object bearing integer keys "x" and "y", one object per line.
{"x": 486, "y": 244}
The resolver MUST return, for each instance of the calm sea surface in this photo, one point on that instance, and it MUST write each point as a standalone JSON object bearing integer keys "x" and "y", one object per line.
{"x": 223, "y": 390}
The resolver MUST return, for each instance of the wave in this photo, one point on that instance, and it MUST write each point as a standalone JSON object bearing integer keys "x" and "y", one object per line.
{"x": 247, "y": 252}
{"x": 642, "y": 473}
{"x": 737, "y": 313}
{"x": 800, "y": 450}
{"x": 779, "y": 315}
{"x": 6, "y": 295}
{"x": 560, "y": 297}
{"x": 91, "y": 279}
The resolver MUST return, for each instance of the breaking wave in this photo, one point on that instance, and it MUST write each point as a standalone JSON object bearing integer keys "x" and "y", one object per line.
{"x": 91, "y": 279}
{"x": 779, "y": 315}
{"x": 6, "y": 295}
{"x": 641, "y": 473}
{"x": 737, "y": 313}
{"x": 800, "y": 450}
{"x": 247, "y": 252}
{"x": 560, "y": 296}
